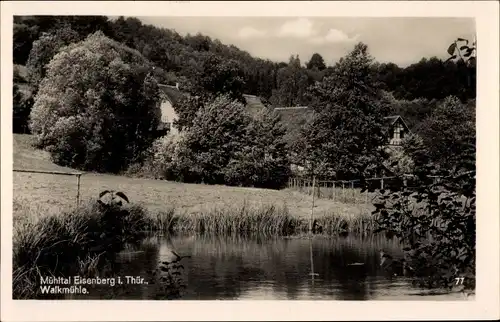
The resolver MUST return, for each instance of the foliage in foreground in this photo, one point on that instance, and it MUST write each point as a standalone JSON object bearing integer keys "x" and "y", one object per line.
{"x": 437, "y": 222}
{"x": 55, "y": 245}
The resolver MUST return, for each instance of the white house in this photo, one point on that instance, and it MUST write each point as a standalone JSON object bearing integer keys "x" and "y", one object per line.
{"x": 170, "y": 96}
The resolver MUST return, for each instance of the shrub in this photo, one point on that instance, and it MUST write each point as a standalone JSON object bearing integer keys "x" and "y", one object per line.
{"x": 217, "y": 133}
{"x": 54, "y": 245}
{"x": 164, "y": 158}
{"x": 97, "y": 108}
{"x": 264, "y": 161}
{"x": 224, "y": 145}
{"x": 437, "y": 222}
{"x": 21, "y": 105}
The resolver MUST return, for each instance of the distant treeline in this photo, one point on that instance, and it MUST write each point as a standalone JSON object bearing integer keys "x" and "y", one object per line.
{"x": 181, "y": 59}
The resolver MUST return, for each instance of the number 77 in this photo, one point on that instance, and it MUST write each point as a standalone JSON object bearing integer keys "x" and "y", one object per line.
{"x": 459, "y": 280}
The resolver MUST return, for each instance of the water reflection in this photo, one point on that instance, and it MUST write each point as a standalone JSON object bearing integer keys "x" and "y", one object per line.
{"x": 229, "y": 268}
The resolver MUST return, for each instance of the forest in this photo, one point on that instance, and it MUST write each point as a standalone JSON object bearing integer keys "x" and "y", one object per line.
{"x": 182, "y": 58}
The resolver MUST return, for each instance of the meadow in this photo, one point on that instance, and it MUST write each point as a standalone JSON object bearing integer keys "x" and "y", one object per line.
{"x": 51, "y": 194}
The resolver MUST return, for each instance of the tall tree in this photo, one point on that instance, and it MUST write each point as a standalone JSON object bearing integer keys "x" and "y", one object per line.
{"x": 263, "y": 161}
{"x": 222, "y": 77}
{"x": 292, "y": 82}
{"x": 316, "y": 62}
{"x": 97, "y": 107}
{"x": 449, "y": 135}
{"x": 216, "y": 135}
{"x": 24, "y": 35}
{"x": 344, "y": 138}
{"x": 44, "y": 49}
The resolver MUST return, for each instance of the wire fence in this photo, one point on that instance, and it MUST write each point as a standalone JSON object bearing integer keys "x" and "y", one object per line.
{"x": 77, "y": 174}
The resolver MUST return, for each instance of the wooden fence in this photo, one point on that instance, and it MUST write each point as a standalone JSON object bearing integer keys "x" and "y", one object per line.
{"x": 340, "y": 190}
{"x": 348, "y": 191}
{"x": 77, "y": 174}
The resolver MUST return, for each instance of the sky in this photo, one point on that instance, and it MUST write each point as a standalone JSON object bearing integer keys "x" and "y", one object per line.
{"x": 401, "y": 40}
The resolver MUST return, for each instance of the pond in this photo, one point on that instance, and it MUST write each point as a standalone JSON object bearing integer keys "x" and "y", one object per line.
{"x": 259, "y": 268}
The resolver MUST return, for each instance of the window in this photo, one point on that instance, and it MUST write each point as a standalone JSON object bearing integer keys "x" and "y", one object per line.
{"x": 399, "y": 132}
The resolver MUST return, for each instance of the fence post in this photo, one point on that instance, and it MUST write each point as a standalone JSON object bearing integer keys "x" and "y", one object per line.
{"x": 312, "y": 208}
{"x": 382, "y": 183}
{"x": 333, "y": 189}
{"x": 343, "y": 190}
{"x": 78, "y": 190}
{"x": 352, "y": 191}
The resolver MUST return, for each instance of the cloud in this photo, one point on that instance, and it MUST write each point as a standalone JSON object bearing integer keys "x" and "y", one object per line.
{"x": 333, "y": 36}
{"x": 251, "y": 32}
{"x": 298, "y": 28}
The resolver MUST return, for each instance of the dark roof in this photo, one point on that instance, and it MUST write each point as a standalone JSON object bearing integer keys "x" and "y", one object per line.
{"x": 294, "y": 117}
{"x": 253, "y": 103}
{"x": 172, "y": 93}
{"x": 391, "y": 120}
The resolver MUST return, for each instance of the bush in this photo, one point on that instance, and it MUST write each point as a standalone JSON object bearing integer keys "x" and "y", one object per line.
{"x": 437, "y": 226}
{"x": 163, "y": 158}
{"x": 264, "y": 161}
{"x": 437, "y": 222}
{"x": 97, "y": 108}
{"x": 224, "y": 145}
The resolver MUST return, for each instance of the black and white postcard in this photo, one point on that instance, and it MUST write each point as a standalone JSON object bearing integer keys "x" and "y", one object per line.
{"x": 249, "y": 160}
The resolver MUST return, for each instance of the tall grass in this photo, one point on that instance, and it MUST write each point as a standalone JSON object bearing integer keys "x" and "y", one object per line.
{"x": 74, "y": 241}
{"x": 263, "y": 219}
{"x": 69, "y": 243}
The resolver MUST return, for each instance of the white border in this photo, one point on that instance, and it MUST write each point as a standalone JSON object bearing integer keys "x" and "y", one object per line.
{"x": 486, "y": 305}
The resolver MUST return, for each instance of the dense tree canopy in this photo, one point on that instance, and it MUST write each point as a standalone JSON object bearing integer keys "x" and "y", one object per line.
{"x": 96, "y": 109}
{"x": 44, "y": 49}
{"x": 181, "y": 58}
{"x": 344, "y": 137}
{"x": 316, "y": 62}
{"x": 292, "y": 82}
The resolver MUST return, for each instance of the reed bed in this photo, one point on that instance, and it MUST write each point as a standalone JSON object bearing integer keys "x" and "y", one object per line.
{"x": 68, "y": 243}
{"x": 248, "y": 219}
{"x": 73, "y": 241}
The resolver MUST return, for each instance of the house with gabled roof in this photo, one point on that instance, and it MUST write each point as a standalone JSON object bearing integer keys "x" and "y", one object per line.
{"x": 172, "y": 94}
{"x": 397, "y": 130}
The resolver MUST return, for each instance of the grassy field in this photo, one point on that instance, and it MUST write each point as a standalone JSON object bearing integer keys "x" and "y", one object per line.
{"x": 51, "y": 194}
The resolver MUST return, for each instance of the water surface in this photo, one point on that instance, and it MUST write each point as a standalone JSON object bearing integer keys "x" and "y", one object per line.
{"x": 258, "y": 268}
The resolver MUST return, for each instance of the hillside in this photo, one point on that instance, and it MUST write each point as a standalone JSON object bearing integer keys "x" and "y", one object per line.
{"x": 181, "y": 59}
{"x": 26, "y": 157}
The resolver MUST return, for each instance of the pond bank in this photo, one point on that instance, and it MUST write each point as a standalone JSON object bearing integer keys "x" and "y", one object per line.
{"x": 74, "y": 241}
